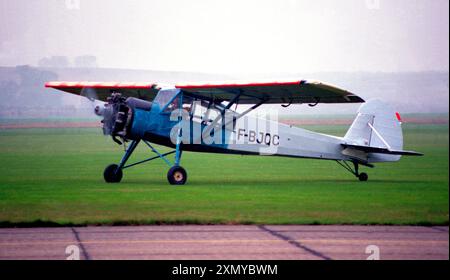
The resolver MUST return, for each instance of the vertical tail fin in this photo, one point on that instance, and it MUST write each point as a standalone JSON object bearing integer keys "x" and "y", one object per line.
{"x": 376, "y": 127}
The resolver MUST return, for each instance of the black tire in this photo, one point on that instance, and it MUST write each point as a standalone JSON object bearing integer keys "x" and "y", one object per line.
{"x": 112, "y": 174}
{"x": 177, "y": 175}
{"x": 363, "y": 177}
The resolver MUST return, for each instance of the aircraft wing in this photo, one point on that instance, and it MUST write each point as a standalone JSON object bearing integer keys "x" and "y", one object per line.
{"x": 101, "y": 90}
{"x": 284, "y": 92}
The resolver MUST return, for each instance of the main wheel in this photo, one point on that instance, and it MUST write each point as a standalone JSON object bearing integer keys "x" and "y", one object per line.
{"x": 177, "y": 175}
{"x": 363, "y": 177}
{"x": 112, "y": 174}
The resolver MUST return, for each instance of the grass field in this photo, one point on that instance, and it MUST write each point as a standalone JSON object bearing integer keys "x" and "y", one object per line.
{"x": 54, "y": 177}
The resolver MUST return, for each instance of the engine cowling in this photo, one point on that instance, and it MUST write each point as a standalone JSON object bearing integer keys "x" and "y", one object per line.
{"x": 117, "y": 115}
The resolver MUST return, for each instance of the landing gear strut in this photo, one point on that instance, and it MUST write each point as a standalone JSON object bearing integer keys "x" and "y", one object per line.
{"x": 177, "y": 175}
{"x": 363, "y": 177}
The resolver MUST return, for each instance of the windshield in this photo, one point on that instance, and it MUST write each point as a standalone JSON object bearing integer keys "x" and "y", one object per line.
{"x": 165, "y": 96}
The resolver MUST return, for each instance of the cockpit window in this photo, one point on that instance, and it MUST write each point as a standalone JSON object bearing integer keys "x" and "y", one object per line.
{"x": 164, "y": 97}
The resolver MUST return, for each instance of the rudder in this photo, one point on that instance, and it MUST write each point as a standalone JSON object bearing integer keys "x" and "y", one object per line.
{"x": 377, "y": 125}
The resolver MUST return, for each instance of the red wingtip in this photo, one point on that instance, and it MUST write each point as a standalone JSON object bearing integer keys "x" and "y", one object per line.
{"x": 399, "y": 118}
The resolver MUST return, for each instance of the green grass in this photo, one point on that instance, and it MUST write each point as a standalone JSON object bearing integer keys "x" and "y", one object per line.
{"x": 54, "y": 177}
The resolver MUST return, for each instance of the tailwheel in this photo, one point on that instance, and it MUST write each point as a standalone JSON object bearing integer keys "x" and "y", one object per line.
{"x": 177, "y": 175}
{"x": 112, "y": 174}
{"x": 363, "y": 177}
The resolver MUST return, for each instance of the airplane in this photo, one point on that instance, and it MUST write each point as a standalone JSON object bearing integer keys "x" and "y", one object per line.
{"x": 199, "y": 117}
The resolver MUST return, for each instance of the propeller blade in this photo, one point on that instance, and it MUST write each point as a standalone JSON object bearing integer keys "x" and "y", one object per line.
{"x": 89, "y": 93}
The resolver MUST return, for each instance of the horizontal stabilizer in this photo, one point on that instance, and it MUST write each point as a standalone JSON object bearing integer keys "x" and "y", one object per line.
{"x": 377, "y": 150}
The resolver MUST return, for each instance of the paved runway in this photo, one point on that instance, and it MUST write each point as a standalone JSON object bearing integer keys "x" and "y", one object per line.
{"x": 226, "y": 242}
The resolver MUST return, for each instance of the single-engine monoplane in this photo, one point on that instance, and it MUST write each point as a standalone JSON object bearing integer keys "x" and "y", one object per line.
{"x": 200, "y": 117}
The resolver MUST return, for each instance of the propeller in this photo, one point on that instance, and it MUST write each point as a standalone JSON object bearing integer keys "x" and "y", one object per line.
{"x": 99, "y": 108}
{"x": 91, "y": 95}
{"x": 113, "y": 112}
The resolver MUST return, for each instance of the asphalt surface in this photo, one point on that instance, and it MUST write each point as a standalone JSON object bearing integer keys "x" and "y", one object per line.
{"x": 226, "y": 242}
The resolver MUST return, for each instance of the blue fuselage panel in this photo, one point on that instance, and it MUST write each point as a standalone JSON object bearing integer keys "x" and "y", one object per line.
{"x": 157, "y": 127}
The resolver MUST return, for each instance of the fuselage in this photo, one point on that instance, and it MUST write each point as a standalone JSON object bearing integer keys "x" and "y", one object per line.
{"x": 245, "y": 135}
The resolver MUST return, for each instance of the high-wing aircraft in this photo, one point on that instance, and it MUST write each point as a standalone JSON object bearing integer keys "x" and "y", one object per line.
{"x": 200, "y": 117}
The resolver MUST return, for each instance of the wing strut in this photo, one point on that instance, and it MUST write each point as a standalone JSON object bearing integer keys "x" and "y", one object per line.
{"x": 208, "y": 129}
{"x": 233, "y": 101}
{"x": 248, "y": 111}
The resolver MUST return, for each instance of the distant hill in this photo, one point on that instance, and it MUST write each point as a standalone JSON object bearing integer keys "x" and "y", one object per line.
{"x": 23, "y": 94}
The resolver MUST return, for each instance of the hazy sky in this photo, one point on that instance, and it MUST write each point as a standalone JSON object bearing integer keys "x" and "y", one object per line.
{"x": 261, "y": 36}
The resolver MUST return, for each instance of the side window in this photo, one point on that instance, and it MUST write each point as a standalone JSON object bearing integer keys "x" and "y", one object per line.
{"x": 199, "y": 109}
{"x": 187, "y": 103}
{"x": 165, "y": 96}
{"x": 205, "y": 112}
{"x": 175, "y": 104}
{"x": 172, "y": 106}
